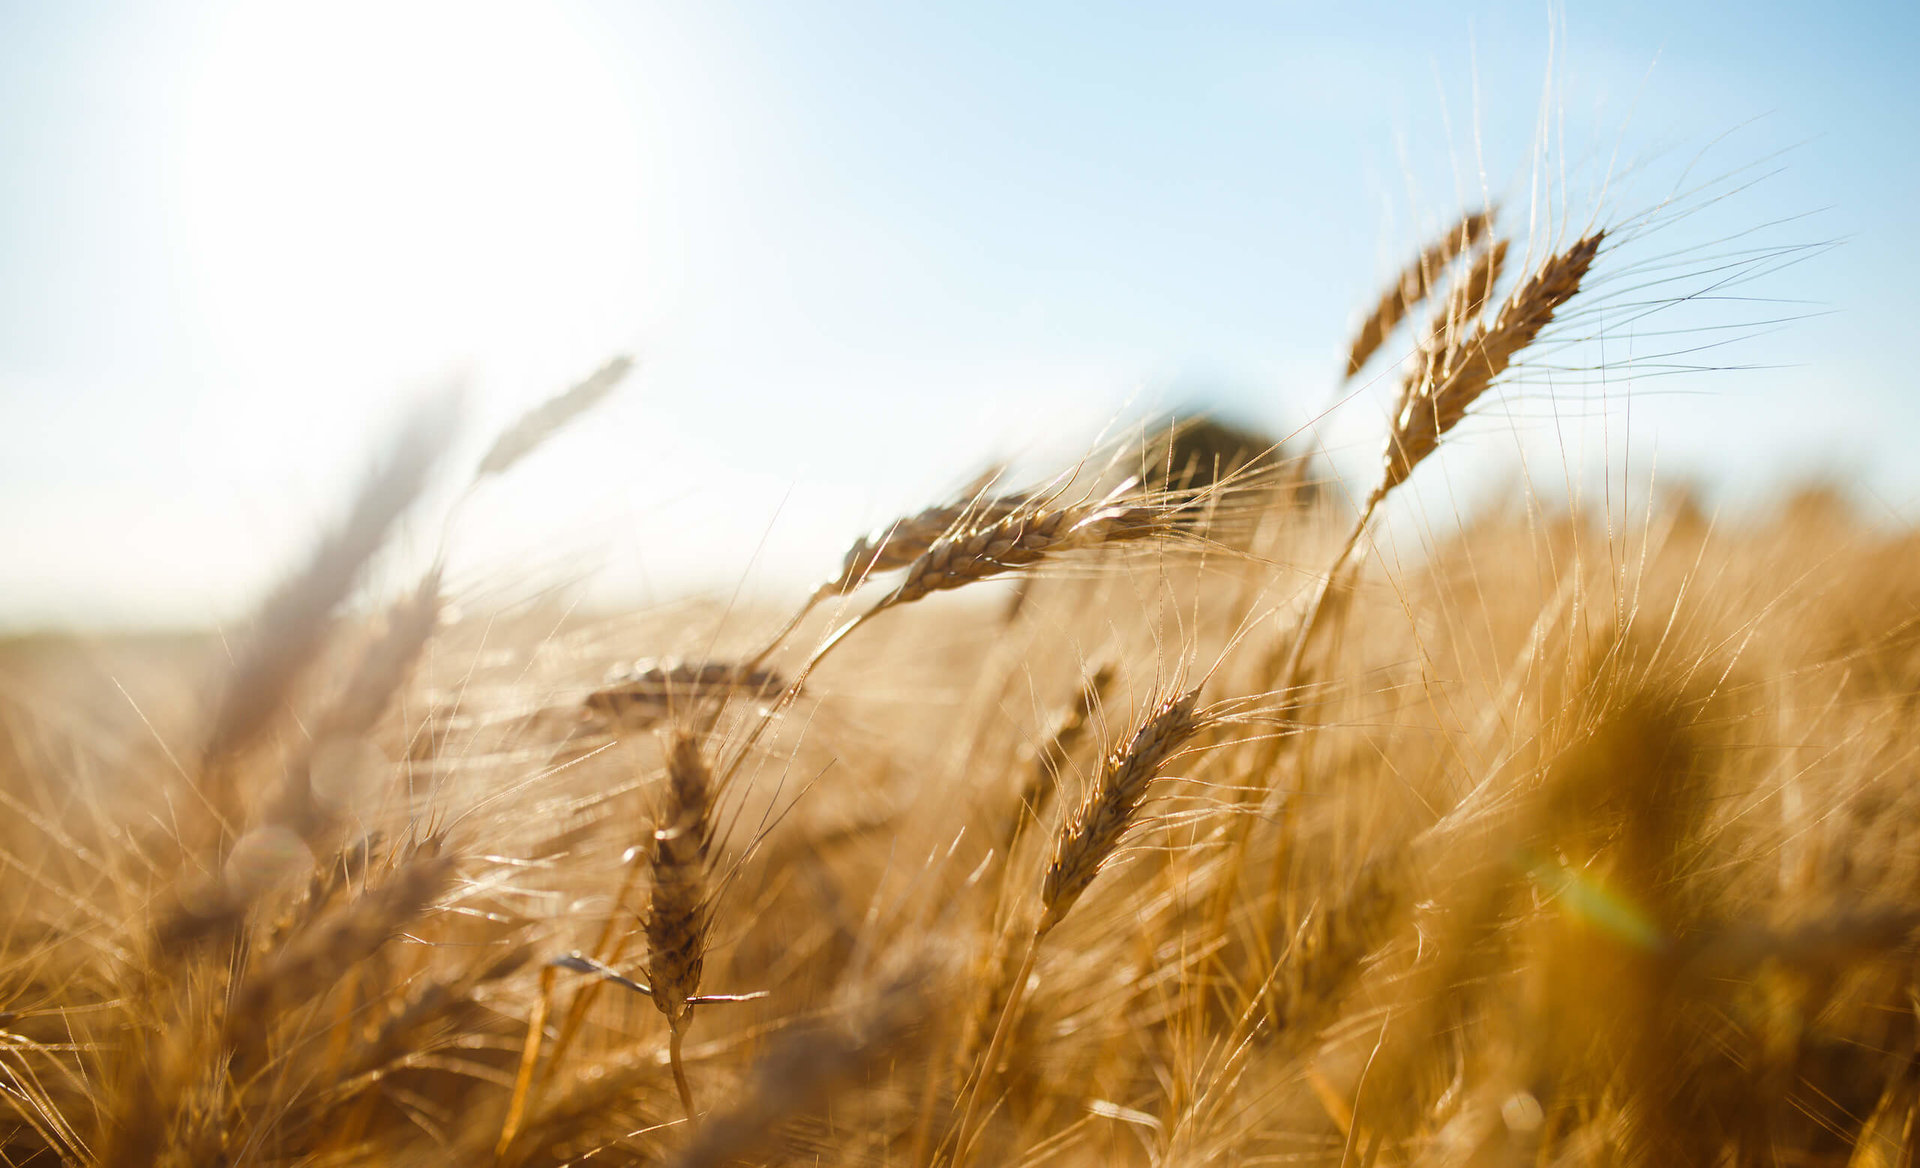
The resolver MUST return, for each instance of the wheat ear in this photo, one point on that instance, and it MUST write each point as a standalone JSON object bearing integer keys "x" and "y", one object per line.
{"x": 293, "y": 622}
{"x": 541, "y": 422}
{"x": 1449, "y": 327}
{"x": 1460, "y": 375}
{"x": 1413, "y": 285}
{"x": 650, "y": 691}
{"x": 676, "y": 921}
{"x": 1033, "y": 534}
{"x": 1022, "y": 539}
{"x": 901, "y": 543}
{"x": 1087, "y": 841}
{"x": 1090, "y": 837}
{"x": 1451, "y": 382}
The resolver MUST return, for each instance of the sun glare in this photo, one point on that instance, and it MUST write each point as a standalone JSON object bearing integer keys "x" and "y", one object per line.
{"x": 401, "y": 185}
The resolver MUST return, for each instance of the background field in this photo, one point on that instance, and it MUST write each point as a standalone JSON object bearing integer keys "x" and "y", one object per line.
{"x": 1373, "y": 643}
{"x": 1148, "y": 813}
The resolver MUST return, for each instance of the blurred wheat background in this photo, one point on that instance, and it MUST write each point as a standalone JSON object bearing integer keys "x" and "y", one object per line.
{"x": 1425, "y": 742}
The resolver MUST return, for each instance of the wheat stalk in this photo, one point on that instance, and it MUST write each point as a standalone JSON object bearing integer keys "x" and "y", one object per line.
{"x": 1038, "y": 531}
{"x": 1451, "y": 382}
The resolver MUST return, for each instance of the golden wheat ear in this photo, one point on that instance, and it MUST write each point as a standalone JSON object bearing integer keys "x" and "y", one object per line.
{"x": 905, "y": 540}
{"x": 1465, "y": 301}
{"x": 1090, "y": 837}
{"x": 676, "y": 919}
{"x": 1026, "y": 538}
{"x": 1085, "y": 843}
{"x": 1457, "y": 378}
{"x": 1413, "y": 285}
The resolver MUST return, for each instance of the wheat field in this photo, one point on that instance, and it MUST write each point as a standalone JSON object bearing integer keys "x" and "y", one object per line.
{"x": 1141, "y": 814}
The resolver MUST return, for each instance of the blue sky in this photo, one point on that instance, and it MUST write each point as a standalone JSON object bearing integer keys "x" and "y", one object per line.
{"x": 859, "y": 248}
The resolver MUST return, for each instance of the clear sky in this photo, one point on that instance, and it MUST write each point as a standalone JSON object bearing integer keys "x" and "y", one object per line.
{"x": 859, "y": 248}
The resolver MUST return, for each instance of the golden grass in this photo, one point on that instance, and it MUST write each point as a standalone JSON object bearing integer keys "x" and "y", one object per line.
{"x": 1570, "y": 844}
